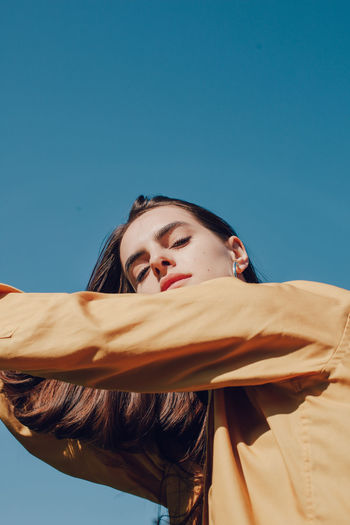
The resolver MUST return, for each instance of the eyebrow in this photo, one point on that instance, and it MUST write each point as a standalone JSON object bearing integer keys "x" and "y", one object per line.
{"x": 157, "y": 237}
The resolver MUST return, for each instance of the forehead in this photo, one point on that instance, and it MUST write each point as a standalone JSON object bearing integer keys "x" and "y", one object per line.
{"x": 145, "y": 226}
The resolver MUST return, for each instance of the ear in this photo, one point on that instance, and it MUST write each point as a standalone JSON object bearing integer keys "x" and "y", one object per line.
{"x": 238, "y": 253}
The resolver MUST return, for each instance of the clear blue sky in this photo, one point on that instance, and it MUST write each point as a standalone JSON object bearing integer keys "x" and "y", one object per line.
{"x": 241, "y": 106}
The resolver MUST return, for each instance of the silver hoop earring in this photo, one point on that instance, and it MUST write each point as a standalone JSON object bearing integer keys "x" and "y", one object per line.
{"x": 234, "y": 269}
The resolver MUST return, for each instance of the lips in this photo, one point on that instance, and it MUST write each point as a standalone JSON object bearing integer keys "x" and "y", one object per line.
{"x": 169, "y": 280}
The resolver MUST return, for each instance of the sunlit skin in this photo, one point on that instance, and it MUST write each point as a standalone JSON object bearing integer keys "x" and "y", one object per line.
{"x": 167, "y": 248}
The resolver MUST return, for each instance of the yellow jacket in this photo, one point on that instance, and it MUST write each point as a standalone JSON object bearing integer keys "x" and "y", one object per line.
{"x": 275, "y": 356}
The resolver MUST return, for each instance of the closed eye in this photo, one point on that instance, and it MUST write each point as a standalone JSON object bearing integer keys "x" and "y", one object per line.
{"x": 176, "y": 244}
{"x": 181, "y": 242}
{"x": 142, "y": 274}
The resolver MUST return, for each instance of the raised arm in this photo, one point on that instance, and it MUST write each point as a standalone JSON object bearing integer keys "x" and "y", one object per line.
{"x": 220, "y": 333}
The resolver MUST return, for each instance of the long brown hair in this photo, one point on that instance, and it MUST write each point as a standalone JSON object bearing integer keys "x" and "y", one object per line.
{"x": 114, "y": 420}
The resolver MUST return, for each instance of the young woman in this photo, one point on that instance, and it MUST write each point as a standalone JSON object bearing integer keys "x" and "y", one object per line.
{"x": 222, "y": 398}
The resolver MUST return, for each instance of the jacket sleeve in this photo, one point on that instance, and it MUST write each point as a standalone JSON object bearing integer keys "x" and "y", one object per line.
{"x": 136, "y": 473}
{"x": 223, "y": 332}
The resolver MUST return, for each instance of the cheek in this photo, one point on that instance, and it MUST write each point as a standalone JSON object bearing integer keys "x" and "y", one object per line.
{"x": 212, "y": 261}
{"x": 149, "y": 285}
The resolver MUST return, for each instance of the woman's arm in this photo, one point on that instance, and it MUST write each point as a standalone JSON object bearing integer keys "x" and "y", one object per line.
{"x": 220, "y": 333}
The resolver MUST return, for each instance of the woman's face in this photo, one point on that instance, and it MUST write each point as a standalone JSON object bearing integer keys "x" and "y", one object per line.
{"x": 167, "y": 248}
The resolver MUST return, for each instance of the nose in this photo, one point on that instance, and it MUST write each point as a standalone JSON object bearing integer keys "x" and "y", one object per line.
{"x": 160, "y": 265}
